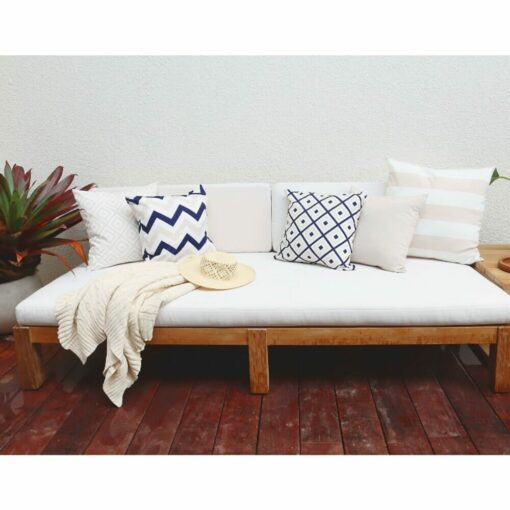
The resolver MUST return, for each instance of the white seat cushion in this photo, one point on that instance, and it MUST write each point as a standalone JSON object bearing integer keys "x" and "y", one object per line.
{"x": 279, "y": 201}
{"x": 238, "y": 215}
{"x": 430, "y": 293}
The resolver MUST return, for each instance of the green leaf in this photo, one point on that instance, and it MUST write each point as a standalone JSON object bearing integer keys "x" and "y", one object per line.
{"x": 496, "y": 176}
{"x": 8, "y": 176}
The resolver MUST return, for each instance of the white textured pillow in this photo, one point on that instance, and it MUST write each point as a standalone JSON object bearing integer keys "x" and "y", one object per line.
{"x": 449, "y": 227}
{"x": 111, "y": 228}
{"x": 385, "y": 231}
{"x": 172, "y": 227}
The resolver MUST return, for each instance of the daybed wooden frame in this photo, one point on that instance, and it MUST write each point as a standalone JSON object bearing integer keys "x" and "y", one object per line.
{"x": 31, "y": 372}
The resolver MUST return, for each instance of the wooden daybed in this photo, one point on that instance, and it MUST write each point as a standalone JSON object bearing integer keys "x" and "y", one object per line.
{"x": 433, "y": 302}
{"x": 31, "y": 372}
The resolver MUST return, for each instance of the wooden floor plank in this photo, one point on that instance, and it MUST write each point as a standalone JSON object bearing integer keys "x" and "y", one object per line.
{"x": 453, "y": 446}
{"x": 35, "y": 435}
{"x": 486, "y": 430}
{"x": 119, "y": 427}
{"x": 500, "y": 402}
{"x": 319, "y": 424}
{"x": 80, "y": 426}
{"x": 279, "y": 419}
{"x": 200, "y": 420}
{"x": 279, "y": 422}
{"x": 401, "y": 424}
{"x": 361, "y": 428}
{"x": 441, "y": 424}
{"x": 157, "y": 430}
{"x": 9, "y": 386}
{"x": 322, "y": 448}
{"x": 15, "y": 412}
{"x": 318, "y": 417}
{"x": 239, "y": 423}
{"x": 7, "y": 359}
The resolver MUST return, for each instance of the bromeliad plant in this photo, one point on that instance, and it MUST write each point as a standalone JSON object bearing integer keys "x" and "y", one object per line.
{"x": 31, "y": 219}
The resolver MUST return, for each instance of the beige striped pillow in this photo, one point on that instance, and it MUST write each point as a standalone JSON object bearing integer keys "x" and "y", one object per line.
{"x": 449, "y": 226}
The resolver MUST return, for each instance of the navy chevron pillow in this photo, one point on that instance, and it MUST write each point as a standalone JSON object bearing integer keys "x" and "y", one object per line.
{"x": 172, "y": 227}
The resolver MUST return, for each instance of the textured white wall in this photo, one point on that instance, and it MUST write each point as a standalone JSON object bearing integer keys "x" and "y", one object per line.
{"x": 129, "y": 120}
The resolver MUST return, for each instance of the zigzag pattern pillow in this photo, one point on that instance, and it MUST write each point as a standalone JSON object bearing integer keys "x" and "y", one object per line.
{"x": 172, "y": 227}
{"x": 320, "y": 229}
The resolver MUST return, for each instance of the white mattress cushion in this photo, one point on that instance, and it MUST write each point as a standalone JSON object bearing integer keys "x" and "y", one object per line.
{"x": 430, "y": 293}
{"x": 238, "y": 215}
{"x": 279, "y": 201}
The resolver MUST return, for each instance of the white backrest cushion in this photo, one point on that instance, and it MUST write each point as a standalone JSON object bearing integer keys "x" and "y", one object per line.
{"x": 238, "y": 215}
{"x": 124, "y": 189}
{"x": 279, "y": 199}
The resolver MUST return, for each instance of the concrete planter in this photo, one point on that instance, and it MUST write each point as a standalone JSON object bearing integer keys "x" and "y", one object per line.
{"x": 11, "y": 294}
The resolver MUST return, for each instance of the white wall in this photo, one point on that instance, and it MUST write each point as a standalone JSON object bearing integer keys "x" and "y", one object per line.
{"x": 133, "y": 120}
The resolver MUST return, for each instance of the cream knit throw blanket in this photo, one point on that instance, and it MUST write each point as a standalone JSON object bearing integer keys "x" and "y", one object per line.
{"x": 120, "y": 307}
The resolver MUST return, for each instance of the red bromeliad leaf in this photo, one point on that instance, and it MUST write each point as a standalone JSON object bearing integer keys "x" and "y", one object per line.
{"x": 52, "y": 229}
{"x": 20, "y": 255}
{"x": 64, "y": 198}
{"x": 45, "y": 188}
{"x": 75, "y": 245}
{"x": 18, "y": 178}
{"x": 63, "y": 185}
{"x": 28, "y": 179}
{"x": 51, "y": 216}
{"x": 78, "y": 248}
{"x": 53, "y": 254}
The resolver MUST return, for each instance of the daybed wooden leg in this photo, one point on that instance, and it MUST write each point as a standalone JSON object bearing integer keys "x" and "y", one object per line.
{"x": 500, "y": 361}
{"x": 259, "y": 367}
{"x": 29, "y": 364}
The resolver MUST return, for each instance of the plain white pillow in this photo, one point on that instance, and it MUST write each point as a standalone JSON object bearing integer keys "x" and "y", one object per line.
{"x": 112, "y": 229}
{"x": 385, "y": 231}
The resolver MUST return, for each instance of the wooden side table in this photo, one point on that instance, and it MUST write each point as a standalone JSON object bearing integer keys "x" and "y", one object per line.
{"x": 488, "y": 267}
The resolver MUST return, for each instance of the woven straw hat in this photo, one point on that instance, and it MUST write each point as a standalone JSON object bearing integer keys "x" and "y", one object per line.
{"x": 216, "y": 270}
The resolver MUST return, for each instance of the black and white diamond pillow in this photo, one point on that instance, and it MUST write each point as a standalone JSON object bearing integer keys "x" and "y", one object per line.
{"x": 320, "y": 229}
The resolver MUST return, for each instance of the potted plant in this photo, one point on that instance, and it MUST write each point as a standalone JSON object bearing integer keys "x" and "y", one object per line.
{"x": 504, "y": 263}
{"x": 31, "y": 219}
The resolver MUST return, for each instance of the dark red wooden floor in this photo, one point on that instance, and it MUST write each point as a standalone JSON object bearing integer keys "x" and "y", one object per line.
{"x": 195, "y": 400}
